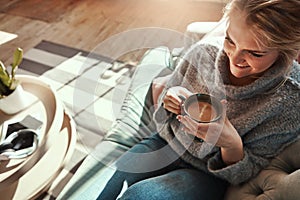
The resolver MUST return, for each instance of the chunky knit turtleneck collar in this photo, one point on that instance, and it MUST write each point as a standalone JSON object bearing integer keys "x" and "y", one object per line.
{"x": 273, "y": 77}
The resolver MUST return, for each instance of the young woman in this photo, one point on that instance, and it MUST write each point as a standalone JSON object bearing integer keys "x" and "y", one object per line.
{"x": 256, "y": 74}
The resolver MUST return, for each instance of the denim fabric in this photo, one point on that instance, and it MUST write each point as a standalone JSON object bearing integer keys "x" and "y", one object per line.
{"x": 162, "y": 175}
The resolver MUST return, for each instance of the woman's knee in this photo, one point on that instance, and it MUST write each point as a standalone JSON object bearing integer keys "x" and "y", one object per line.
{"x": 178, "y": 184}
{"x": 153, "y": 189}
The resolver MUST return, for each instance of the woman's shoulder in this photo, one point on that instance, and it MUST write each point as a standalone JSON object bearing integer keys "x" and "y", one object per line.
{"x": 198, "y": 55}
{"x": 202, "y": 49}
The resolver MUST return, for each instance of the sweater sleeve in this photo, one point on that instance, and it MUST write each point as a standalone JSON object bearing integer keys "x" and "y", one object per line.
{"x": 257, "y": 156}
{"x": 161, "y": 115}
{"x": 239, "y": 172}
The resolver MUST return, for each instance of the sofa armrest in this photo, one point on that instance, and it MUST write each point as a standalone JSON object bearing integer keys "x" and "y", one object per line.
{"x": 199, "y": 29}
{"x": 205, "y": 31}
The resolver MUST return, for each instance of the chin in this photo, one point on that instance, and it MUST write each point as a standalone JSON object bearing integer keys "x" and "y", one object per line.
{"x": 237, "y": 72}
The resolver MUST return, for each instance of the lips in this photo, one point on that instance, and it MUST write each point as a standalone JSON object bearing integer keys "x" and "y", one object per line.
{"x": 242, "y": 66}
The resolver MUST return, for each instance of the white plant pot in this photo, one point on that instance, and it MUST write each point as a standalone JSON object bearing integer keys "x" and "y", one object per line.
{"x": 17, "y": 101}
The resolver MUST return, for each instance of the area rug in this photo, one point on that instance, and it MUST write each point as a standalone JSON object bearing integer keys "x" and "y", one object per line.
{"x": 92, "y": 88}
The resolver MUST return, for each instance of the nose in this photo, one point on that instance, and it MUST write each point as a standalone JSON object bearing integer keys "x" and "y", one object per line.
{"x": 236, "y": 56}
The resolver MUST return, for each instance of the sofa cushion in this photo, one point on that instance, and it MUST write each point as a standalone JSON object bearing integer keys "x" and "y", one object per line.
{"x": 276, "y": 182}
{"x": 135, "y": 119}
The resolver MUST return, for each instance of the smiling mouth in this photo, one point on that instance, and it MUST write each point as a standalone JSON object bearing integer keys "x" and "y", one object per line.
{"x": 242, "y": 66}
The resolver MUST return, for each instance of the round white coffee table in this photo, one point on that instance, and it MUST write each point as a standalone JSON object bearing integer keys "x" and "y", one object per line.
{"x": 28, "y": 177}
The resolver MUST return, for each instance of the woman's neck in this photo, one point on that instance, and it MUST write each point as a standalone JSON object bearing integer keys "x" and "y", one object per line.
{"x": 241, "y": 81}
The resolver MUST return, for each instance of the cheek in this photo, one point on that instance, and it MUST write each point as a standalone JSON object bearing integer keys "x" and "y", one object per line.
{"x": 269, "y": 60}
{"x": 261, "y": 65}
{"x": 226, "y": 48}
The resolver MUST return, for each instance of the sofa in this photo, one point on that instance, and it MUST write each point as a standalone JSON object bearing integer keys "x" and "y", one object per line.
{"x": 280, "y": 180}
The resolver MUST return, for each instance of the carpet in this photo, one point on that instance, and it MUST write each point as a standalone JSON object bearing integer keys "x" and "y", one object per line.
{"x": 92, "y": 88}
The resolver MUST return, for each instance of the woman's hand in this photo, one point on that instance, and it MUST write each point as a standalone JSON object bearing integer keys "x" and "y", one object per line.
{"x": 171, "y": 100}
{"x": 221, "y": 133}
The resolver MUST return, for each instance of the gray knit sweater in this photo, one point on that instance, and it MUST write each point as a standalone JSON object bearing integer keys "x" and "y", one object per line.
{"x": 267, "y": 117}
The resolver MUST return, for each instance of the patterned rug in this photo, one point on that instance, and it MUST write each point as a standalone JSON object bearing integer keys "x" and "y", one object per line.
{"x": 92, "y": 88}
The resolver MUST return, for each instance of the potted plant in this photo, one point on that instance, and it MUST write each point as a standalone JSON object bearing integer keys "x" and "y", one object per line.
{"x": 8, "y": 82}
{"x": 12, "y": 95}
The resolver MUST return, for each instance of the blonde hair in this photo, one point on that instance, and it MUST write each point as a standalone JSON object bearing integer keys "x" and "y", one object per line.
{"x": 276, "y": 23}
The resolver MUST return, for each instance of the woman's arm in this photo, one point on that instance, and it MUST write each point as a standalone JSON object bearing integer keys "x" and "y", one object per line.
{"x": 221, "y": 133}
{"x": 233, "y": 151}
{"x": 158, "y": 85}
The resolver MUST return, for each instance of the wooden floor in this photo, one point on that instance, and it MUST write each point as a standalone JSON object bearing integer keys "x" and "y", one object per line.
{"x": 84, "y": 24}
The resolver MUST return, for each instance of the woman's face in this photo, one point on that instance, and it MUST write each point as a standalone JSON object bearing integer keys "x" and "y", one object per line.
{"x": 247, "y": 58}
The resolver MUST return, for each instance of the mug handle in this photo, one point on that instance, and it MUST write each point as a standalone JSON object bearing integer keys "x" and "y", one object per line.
{"x": 183, "y": 98}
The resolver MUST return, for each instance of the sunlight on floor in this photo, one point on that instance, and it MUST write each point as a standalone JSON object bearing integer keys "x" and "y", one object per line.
{"x": 6, "y": 37}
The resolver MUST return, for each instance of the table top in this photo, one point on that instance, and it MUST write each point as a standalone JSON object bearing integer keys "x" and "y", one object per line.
{"x": 28, "y": 177}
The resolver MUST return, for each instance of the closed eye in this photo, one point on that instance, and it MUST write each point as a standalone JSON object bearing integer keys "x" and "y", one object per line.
{"x": 229, "y": 40}
{"x": 256, "y": 54}
{"x": 253, "y": 53}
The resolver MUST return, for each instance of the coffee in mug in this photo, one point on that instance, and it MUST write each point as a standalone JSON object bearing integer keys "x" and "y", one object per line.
{"x": 202, "y": 107}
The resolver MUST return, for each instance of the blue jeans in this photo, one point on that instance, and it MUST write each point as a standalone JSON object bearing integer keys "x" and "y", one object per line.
{"x": 162, "y": 175}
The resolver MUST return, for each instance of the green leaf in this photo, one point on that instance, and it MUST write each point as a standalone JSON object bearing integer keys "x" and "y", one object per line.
{"x": 14, "y": 84}
{"x": 4, "y": 75}
{"x": 18, "y": 56}
{"x": 7, "y": 81}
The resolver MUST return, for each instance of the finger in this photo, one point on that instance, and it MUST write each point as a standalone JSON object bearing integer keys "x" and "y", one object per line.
{"x": 199, "y": 127}
{"x": 171, "y": 106}
{"x": 172, "y": 110}
{"x": 193, "y": 127}
{"x": 183, "y": 122}
{"x": 172, "y": 96}
{"x": 190, "y": 123}
{"x": 173, "y": 99}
